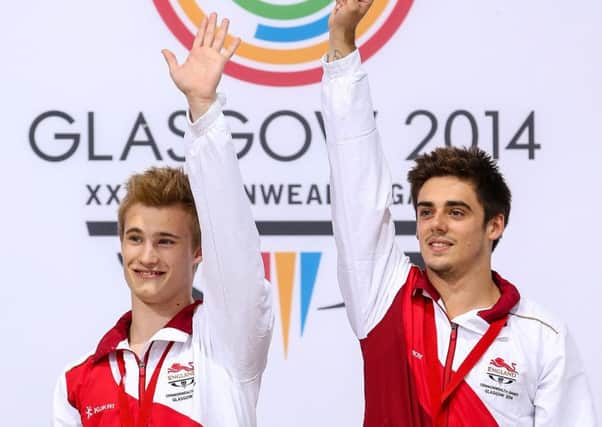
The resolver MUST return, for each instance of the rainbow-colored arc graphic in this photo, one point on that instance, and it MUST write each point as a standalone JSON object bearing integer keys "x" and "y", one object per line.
{"x": 285, "y": 266}
{"x": 305, "y": 34}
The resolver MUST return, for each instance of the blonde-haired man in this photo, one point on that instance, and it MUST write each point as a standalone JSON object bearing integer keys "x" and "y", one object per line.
{"x": 173, "y": 361}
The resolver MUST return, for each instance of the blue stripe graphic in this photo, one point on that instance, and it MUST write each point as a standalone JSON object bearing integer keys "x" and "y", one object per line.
{"x": 292, "y": 34}
{"x": 310, "y": 261}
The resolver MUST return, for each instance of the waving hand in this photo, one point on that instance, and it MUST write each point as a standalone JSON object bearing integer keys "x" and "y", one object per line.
{"x": 342, "y": 24}
{"x": 198, "y": 76}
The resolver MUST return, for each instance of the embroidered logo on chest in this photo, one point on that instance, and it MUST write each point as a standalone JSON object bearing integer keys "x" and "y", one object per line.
{"x": 181, "y": 376}
{"x": 181, "y": 379}
{"x": 503, "y": 374}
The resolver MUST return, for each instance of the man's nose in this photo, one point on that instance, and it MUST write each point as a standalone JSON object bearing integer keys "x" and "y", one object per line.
{"x": 439, "y": 222}
{"x": 149, "y": 254}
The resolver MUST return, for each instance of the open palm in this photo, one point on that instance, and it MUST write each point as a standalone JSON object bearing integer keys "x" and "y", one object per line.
{"x": 198, "y": 76}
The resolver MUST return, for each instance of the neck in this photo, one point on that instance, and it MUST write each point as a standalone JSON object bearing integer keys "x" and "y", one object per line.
{"x": 467, "y": 292}
{"x": 147, "y": 319}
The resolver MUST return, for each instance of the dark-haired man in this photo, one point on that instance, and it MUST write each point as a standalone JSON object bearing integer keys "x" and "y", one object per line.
{"x": 173, "y": 361}
{"x": 453, "y": 344}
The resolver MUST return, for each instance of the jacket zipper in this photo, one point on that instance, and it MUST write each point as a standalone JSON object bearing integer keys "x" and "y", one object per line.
{"x": 142, "y": 374}
{"x": 141, "y": 381}
{"x": 449, "y": 360}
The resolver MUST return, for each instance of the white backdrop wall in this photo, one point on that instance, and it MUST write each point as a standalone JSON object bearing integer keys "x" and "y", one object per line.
{"x": 99, "y": 64}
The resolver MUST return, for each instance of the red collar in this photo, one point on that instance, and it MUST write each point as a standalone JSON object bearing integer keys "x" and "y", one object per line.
{"x": 508, "y": 299}
{"x": 181, "y": 321}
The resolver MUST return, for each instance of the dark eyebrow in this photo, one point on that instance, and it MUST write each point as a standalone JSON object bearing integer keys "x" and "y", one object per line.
{"x": 449, "y": 203}
{"x": 453, "y": 203}
{"x": 425, "y": 204}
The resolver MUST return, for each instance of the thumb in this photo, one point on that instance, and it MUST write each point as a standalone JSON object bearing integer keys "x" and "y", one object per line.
{"x": 170, "y": 58}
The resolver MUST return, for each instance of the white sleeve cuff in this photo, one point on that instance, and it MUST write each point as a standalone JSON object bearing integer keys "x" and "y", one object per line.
{"x": 203, "y": 123}
{"x": 341, "y": 67}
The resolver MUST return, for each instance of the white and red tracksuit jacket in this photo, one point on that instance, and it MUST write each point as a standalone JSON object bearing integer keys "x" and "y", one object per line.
{"x": 529, "y": 376}
{"x": 212, "y": 374}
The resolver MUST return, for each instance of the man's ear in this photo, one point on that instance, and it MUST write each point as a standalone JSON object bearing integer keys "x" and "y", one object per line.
{"x": 495, "y": 227}
{"x": 198, "y": 255}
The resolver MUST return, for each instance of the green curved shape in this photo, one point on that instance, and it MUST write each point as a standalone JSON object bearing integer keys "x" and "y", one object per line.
{"x": 283, "y": 11}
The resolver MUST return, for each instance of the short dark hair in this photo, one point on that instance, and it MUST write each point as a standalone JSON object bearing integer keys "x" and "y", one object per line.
{"x": 469, "y": 164}
{"x": 160, "y": 187}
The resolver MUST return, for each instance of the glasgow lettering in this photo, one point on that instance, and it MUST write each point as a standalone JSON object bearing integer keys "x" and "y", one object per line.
{"x": 56, "y": 136}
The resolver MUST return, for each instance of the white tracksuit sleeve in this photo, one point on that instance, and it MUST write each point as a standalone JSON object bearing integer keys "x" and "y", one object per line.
{"x": 563, "y": 397}
{"x": 371, "y": 268}
{"x": 238, "y": 299}
{"x": 63, "y": 414}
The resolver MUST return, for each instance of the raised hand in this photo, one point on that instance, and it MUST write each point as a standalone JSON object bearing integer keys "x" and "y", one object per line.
{"x": 342, "y": 24}
{"x": 198, "y": 76}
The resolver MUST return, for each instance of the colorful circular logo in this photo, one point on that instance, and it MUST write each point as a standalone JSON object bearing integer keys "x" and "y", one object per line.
{"x": 283, "y": 41}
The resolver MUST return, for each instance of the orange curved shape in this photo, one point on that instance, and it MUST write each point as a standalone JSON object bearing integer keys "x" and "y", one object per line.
{"x": 284, "y": 56}
{"x": 285, "y": 272}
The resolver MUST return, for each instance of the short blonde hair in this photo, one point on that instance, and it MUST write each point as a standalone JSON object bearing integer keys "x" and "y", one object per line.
{"x": 159, "y": 187}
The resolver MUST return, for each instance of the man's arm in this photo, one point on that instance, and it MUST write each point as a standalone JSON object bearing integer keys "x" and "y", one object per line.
{"x": 563, "y": 397}
{"x": 371, "y": 268}
{"x": 238, "y": 307}
{"x": 63, "y": 414}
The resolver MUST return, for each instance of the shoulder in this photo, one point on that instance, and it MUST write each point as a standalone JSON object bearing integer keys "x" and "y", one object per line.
{"x": 76, "y": 372}
{"x": 543, "y": 339}
{"x": 73, "y": 376}
{"x": 529, "y": 315}
{"x": 80, "y": 364}
{"x": 539, "y": 332}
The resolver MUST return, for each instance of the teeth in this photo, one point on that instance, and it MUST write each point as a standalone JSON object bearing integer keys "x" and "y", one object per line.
{"x": 149, "y": 273}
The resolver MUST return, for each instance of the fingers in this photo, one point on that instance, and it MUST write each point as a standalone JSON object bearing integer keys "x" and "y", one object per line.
{"x": 364, "y": 5}
{"x": 229, "y": 51}
{"x": 220, "y": 36}
{"x": 170, "y": 58}
{"x": 338, "y": 5}
{"x": 198, "y": 40}
{"x": 210, "y": 36}
{"x": 210, "y": 31}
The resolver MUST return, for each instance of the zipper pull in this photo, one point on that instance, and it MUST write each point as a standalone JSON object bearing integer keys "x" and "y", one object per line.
{"x": 141, "y": 372}
{"x": 141, "y": 381}
{"x": 454, "y": 327}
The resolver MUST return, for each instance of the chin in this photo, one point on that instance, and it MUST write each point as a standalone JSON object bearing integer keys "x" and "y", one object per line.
{"x": 439, "y": 267}
{"x": 149, "y": 293}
